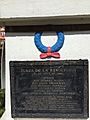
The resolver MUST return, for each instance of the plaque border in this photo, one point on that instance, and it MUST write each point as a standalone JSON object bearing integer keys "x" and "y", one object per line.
{"x": 85, "y": 114}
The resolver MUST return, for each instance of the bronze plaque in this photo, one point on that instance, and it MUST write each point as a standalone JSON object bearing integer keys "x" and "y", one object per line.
{"x": 49, "y": 89}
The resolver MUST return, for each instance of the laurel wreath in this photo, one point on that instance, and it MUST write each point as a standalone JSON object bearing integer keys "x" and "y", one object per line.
{"x": 56, "y": 47}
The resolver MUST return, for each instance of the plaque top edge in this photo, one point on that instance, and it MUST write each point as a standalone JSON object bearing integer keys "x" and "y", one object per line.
{"x": 50, "y": 62}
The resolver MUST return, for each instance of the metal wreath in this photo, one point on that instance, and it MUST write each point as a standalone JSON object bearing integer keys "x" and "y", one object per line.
{"x": 56, "y": 47}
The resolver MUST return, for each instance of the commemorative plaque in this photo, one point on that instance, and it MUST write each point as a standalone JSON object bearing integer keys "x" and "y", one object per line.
{"x": 49, "y": 89}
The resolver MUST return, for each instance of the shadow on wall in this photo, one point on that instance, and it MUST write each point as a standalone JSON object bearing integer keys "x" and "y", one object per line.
{"x": 2, "y": 79}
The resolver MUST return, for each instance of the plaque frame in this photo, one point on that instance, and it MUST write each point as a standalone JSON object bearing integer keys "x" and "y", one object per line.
{"x": 24, "y": 114}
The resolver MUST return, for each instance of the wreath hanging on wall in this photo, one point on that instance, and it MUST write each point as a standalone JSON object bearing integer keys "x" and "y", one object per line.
{"x": 49, "y": 51}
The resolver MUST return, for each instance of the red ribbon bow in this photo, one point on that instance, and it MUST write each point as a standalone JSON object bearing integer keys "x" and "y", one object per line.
{"x": 49, "y": 54}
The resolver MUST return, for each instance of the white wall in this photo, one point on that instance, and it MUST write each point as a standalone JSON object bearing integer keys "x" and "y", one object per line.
{"x": 43, "y": 8}
{"x": 76, "y": 46}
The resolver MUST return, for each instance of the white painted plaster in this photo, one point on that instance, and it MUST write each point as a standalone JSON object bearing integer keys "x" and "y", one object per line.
{"x": 43, "y": 8}
{"x": 21, "y": 48}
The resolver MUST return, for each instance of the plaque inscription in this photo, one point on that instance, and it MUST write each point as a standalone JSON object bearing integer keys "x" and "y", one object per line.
{"x": 49, "y": 89}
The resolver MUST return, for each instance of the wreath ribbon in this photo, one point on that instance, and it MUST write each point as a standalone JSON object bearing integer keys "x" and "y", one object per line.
{"x": 49, "y": 51}
{"x": 49, "y": 54}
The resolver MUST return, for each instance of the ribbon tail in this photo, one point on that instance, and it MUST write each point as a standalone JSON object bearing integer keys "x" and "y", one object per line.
{"x": 43, "y": 55}
{"x": 56, "y": 55}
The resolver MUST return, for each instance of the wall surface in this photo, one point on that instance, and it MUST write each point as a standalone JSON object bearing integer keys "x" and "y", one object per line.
{"x": 22, "y": 48}
{"x": 76, "y": 46}
{"x": 34, "y": 12}
{"x": 43, "y": 8}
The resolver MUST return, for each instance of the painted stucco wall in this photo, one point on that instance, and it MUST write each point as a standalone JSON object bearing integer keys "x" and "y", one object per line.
{"x": 43, "y": 8}
{"x": 76, "y": 46}
{"x": 21, "y": 47}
